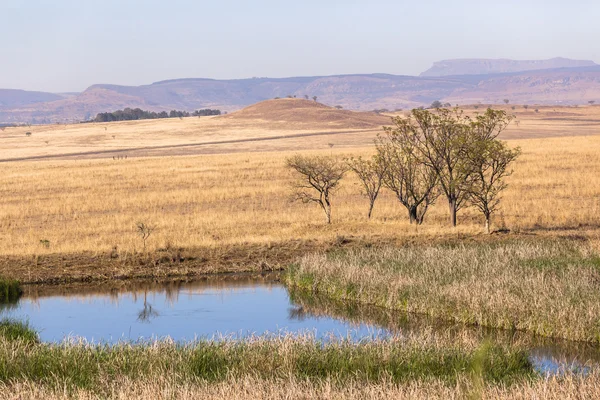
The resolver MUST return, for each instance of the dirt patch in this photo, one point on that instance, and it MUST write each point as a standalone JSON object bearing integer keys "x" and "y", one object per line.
{"x": 201, "y": 261}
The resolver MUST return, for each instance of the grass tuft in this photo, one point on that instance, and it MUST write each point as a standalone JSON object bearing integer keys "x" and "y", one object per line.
{"x": 10, "y": 291}
{"x": 12, "y": 330}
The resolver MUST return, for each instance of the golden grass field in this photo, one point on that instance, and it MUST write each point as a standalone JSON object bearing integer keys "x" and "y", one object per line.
{"x": 242, "y": 198}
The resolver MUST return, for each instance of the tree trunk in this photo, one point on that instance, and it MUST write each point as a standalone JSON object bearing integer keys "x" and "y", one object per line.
{"x": 452, "y": 207}
{"x": 487, "y": 223}
{"x": 412, "y": 215}
{"x": 327, "y": 209}
{"x": 370, "y": 210}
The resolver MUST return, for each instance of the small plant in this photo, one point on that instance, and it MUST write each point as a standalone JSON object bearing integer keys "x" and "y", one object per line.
{"x": 144, "y": 231}
{"x": 27, "y": 134}
{"x": 45, "y": 243}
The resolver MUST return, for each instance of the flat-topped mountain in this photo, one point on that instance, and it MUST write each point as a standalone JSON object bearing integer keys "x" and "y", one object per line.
{"x": 482, "y": 66}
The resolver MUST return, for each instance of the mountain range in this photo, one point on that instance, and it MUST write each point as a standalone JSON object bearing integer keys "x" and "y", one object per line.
{"x": 468, "y": 81}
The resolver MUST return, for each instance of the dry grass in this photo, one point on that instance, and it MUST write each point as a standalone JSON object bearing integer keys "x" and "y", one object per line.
{"x": 549, "y": 288}
{"x": 565, "y": 388}
{"x": 244, "y": 198}
{"x": 344, "y": 131}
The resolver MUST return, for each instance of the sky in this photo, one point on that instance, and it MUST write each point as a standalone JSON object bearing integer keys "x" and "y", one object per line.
{"x": 68, "y": 45}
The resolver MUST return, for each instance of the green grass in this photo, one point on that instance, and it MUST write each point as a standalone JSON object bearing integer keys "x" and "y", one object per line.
{"x": 90, "y": 367}
{"x": 550, "y": 287}
{"x": 10, "y": 291}
{"x": 12, "y": 330}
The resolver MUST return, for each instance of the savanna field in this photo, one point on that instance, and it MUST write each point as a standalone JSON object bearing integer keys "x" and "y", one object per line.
{"x": 227, "y": 207}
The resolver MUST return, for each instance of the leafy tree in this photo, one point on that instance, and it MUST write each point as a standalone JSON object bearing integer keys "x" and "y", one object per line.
{"x": 592, "y": 102}
{"x": 405, "y": 174}
{"x": 318, "y": 178}
{"x": 490, "y": 162}
{"x": 315, "y": 98}
{"x": 506, "y": 101}
{"x": 436, "y": 104}
{"x": 441, "y": 141}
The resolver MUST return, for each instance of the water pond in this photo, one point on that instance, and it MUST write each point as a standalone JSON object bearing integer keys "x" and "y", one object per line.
{"x": 238, "y": 307}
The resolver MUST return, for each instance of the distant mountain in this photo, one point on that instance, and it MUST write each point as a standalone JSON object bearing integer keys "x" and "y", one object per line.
{"x": 363, "y": 92}
{"x": 10, "y": 98}
{"x": 481, "y": 66}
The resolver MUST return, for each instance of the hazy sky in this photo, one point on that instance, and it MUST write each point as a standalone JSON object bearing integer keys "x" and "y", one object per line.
{"x": 67, "y": 45}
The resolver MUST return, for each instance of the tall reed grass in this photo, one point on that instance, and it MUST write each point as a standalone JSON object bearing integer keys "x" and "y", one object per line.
{"x": 549, "y": 287}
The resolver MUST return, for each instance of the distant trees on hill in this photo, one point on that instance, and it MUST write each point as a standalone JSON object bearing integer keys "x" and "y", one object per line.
{"x": 132, "y": 114}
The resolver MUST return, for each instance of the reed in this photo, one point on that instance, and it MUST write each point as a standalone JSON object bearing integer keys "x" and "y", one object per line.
{"x": 546, "y": 287}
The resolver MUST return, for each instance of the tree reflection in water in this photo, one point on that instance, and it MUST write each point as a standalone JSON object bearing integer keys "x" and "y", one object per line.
{"x": 148, "y": 312}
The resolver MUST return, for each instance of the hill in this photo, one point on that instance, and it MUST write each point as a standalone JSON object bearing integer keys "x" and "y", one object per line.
{"x": 481, "y": 66}
{"x": 10, "y": 98}
{"x": 308, "y": 112}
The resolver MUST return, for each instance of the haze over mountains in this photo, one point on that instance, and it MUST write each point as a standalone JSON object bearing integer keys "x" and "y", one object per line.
{"x": 554, "y": 81}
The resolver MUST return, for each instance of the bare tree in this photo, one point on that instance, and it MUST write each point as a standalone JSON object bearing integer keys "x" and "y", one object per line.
{"x": 319, "y": 177}
{"x": 490, "y": 162}
{"x": 412, "y": 181}
{"x": 370, "y": 173}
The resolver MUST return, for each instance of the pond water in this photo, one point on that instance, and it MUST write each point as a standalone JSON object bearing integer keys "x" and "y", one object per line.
{"x": 180, "y": 310}
{"x": 238, "y": 307}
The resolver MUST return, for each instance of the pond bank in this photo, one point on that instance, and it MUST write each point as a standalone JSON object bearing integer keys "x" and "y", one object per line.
{"x": 101, "y": 266}
{"x": 548, "y": 288}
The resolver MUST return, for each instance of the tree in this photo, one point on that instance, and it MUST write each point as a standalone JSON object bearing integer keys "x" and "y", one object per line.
{"x": 441, "y": 141}
{"x": 315, "y": 98}
{"x": 370, "y": 173}
{"x": 406, "y": 175}
{"x": 490, "y": 162}
{"x": 319, "y": 177}
{"x": 525, "y": 106}
{"x": 591, "y": 102}
{"x": 306, "y": 96}
{"x": 436, "y": 104}
{"x": 506, "y": 101}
